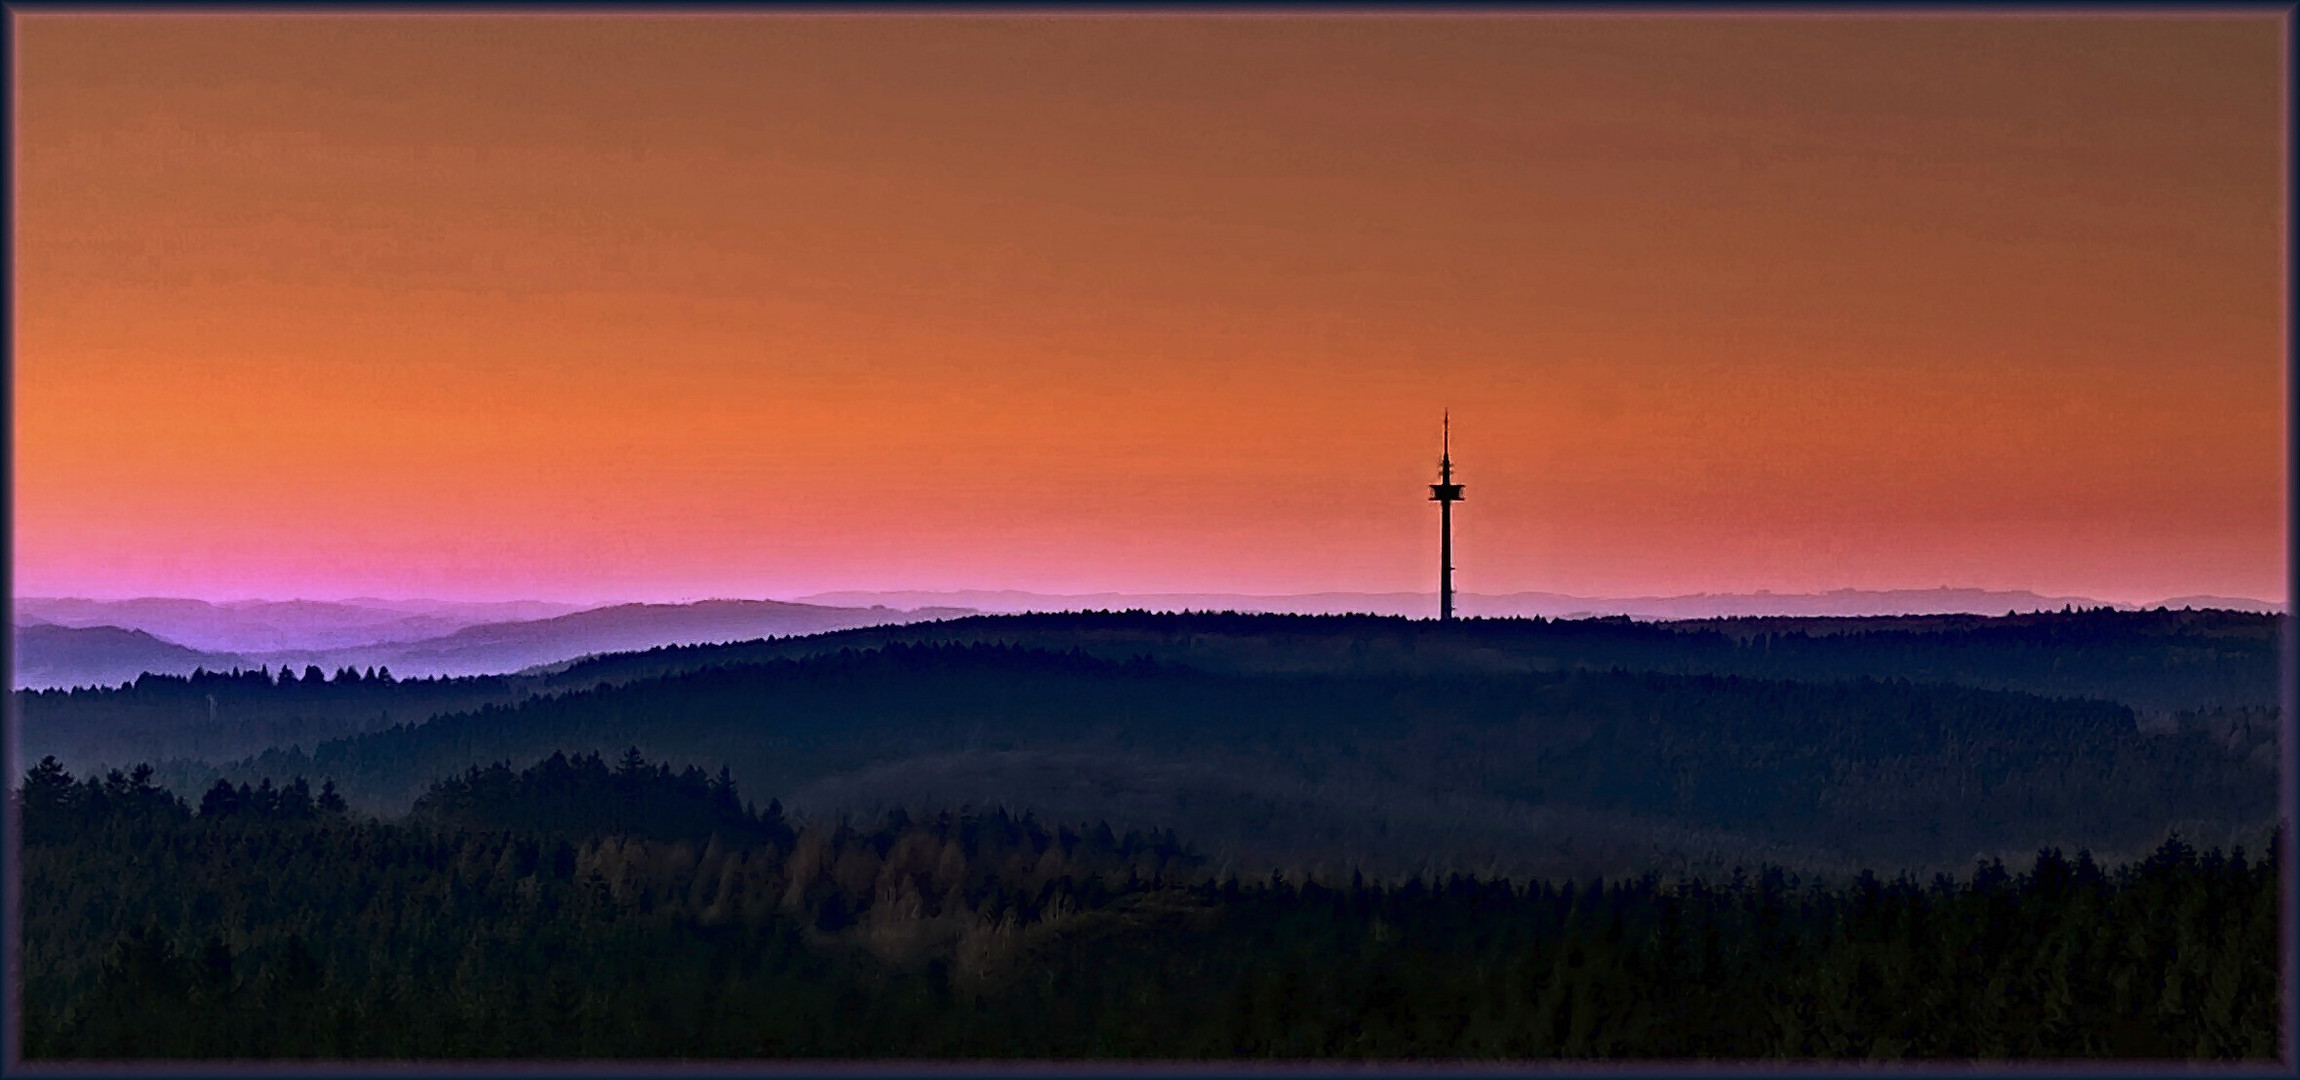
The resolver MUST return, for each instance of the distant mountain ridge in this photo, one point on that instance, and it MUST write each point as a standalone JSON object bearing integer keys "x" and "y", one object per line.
{"x": 491, "y": 648}
{"x": 63, "y": 655}
{"x": 48, "y": 655}
{"x": 245, "y": 626}
{"x": 70, "y": 641}
{"x": 1850, "y": 602}
{"x": 2226, "y": 603}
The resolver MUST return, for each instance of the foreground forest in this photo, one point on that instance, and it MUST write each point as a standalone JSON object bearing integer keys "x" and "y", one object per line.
{"x": 582, "y": 908}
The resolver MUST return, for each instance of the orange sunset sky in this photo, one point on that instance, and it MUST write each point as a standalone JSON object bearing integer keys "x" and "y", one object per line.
{"x": 607, "y": 308}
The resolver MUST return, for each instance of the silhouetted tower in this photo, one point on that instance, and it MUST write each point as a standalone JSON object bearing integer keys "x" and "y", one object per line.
{"x": 1445, "y": 493}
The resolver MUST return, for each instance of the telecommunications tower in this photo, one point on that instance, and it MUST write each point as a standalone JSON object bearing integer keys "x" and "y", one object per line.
{"x": 1445, "y": 493}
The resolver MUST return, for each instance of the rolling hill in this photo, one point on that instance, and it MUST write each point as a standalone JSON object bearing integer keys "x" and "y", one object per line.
{"x": 1594, "y": 743}
{"x": 1836, "y": 603}
{"x": 256, "y": 626}
{"x": 411, "y": 642}
{"x": 1575, "y": 770}
{"x": 48, "y": 656}
{"x": 501, "y": 647}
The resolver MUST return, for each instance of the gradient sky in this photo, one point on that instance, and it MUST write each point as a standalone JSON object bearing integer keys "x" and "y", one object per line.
{"x": 598, "y": 308}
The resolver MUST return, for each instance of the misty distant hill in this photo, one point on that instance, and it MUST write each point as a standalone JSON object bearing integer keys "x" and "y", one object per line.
{"x": 411, "y": 637}
{"x": 2222, "y": 603}
{"x": 256, "y": 626}
{"x": 501, "y": 647}
{"x": 473, "y": 611}
{"x": 1840, "y": 602}
{"x": 48, "y": 655}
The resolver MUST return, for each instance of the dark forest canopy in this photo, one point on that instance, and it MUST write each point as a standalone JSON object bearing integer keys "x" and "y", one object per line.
{"x": 1544, "y": 745}
{"x": 1595, "y": 770}
{"x": 2209, "y": 664}
{"x": 2087, "y": 653}
{"x": 2158, "y": 662}
{"x": 2153, "y": 660}
{"x": 223, "y": 715}
{"x": 671, "y": 918}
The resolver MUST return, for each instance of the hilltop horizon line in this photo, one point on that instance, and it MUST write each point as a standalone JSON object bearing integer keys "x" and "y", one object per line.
{"x": 537, "y": 607}
{"x": 67, "y": 642}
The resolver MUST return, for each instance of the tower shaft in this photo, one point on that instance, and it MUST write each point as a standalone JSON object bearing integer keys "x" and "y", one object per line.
{"x": 1445, "y": 560}
{"x": 1445, "y": 493}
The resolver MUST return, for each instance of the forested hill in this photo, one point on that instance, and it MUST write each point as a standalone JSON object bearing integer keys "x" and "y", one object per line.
{"x": 225, "y": 715}
{"x": 2158, "y": 662}
{"x": 1544, "y": 771}
{"x": 2155, "y": 661}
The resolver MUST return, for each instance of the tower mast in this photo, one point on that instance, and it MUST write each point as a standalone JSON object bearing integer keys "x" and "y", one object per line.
{"x": 1445, "y": 493}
